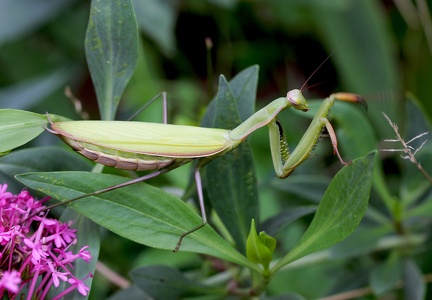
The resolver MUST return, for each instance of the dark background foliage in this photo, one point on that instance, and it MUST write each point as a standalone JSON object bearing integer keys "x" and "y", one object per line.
{"x": 379, "y": 49}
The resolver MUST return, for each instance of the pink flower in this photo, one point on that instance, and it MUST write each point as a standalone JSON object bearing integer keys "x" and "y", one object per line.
{"x": 56, "y": 275}
{"x": 36, "y": 246}
{"x": 63, "y": 234}
{"x": 85, "y": 255}
{"x": 82, "y": 288}
{"x": 5, "y": 237}
{"x": 3, "y": 193}
{"x": 37, "y": 251}
{"x": 11, "y": 280}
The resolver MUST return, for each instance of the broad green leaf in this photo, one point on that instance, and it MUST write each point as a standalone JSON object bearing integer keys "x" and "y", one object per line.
{"x": 179, "y": 260}
{"x": 40, "y": 159}
{"x": 356, "y": 137}
{"x": 260, "y": 248}
{"x": 364, "y": 240}
{"x": 18, "y": 127}
{"x": 354, "y": 131}
{"x": 363, "y": 51}
{"x": 287, "y": 296}
{"x": 423, "y": 209}
{"x": 163, "y": 282}
{"x": 132, "y": 292}
{"x": 226, "y": 4}
{"x": 385, "y": 276}
{"x": 231, "y": 182}
{"x": 339, "y": 212}
{"x": 27, "y": 93}
{"x": 244, "y": 89}
{"x": 310, "y": 187}
{"x": 274, "y": 224}
{"x": 140, "y": 212}
{"x": 88, "y": 234}
{"x": 414, "y": 288}
{"x": 158, "y": 20}
{"x": 111, "y": 45}
{"x": 36, "y": 12}
{"x": 418, "y": 119}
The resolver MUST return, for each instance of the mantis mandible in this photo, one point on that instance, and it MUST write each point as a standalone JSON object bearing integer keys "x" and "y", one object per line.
{"x": 163, "y": 147}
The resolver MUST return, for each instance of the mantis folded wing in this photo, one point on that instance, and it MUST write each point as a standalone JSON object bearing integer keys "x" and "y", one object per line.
{"x": 164, "y": 147}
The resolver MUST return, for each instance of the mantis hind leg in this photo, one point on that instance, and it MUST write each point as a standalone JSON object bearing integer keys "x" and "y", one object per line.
{"x": 164, "y": 107}
{"x": 105, "y": 190}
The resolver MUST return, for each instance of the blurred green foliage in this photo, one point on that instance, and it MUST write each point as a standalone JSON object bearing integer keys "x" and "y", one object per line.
{"x": 379, "y": 49}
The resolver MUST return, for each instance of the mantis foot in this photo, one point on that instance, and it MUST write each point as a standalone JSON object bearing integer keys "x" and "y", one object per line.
{"x": 187, "y": 233}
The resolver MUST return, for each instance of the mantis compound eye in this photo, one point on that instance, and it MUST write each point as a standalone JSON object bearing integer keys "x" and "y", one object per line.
{"x": 295, "y": 97}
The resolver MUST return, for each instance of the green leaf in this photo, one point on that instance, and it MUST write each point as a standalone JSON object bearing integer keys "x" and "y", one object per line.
{"x": 42, "y": 159}
{"x": 423, "y": 209}
{"x": 384, "y": 277}
{"x": 363, "y": 51}
{"x": 354, "y": 131}
{"x": 231, "y": 181}
{"x": 310, "y": 187}
{"x": 111, "y": 45}
{"x": 139, "y": 212}
{"x": 414, "y": 288}
{"x": 132, "y": 292}
{"x": 268, "y": 241}
{"x": 41, "y": 12}
{"x": 356, "y": 137}
{"x": 287, "y": 296}
{"x": 18, "y": 127}
{"x": 226, "y": 4}
{"x": 88, "y": 234}
{"x": 158, "y": 20}
{"x": 244, "y": 89}
{"x": 274, "y": 224}
{"x": 259, "y": 249}
{"x": 339, "y": 212}
{"x": 39, "y": 159}
{"x": 26, "y": 94}
{"x": 364, "y": 240}
{"x": 163, "y": 282}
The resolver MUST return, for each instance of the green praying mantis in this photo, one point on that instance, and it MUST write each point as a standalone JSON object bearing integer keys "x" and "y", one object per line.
{"x": 162, "y": 147}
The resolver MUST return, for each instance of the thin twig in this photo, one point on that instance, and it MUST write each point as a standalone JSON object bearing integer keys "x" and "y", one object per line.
{"x": 361, "y": 292}
{"x": 409, "y": 150}
{"x": 112, "y": 276}
{"x": 77, "y": 103}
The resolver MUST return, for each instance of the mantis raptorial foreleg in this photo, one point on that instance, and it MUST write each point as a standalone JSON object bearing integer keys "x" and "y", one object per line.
{"x": 164, "y": 147}
{"x": 285, "y": 163}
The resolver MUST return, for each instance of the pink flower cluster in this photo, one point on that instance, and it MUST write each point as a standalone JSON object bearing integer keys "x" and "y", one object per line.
{"x": 34, "y": 251}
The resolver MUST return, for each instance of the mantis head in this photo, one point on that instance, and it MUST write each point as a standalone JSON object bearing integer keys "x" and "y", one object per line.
{"x": 295, "y": 97}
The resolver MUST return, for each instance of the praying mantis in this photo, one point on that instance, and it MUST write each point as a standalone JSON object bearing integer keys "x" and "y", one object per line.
{"x": 162, "y": 147}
